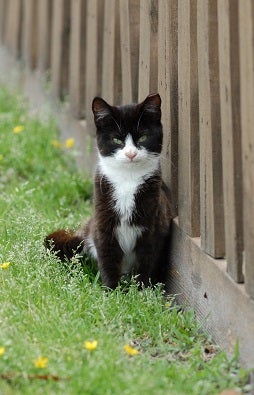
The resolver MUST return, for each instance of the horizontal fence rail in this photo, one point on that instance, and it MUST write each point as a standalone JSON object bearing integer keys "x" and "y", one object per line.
{"x": 199, "y": 55}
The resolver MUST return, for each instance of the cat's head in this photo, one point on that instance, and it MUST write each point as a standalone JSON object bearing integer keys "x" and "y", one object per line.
{"x": 131, "y": 134}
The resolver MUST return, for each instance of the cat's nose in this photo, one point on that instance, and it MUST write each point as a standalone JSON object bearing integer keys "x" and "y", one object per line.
{"x": 130, "y": 154}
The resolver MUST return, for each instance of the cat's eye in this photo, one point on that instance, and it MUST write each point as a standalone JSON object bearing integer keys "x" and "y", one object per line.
{"x": 142, "y": 139}
{"x": 117, "y": 141}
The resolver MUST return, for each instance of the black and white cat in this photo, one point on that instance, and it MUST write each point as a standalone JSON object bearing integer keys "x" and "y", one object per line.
{"x": 129, "y": 230}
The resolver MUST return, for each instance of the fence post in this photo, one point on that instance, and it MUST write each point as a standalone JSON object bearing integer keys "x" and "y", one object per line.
{"x": 13, "y": 27}
{"x": 60, "y": 47}
{"x": 77, "y": 58}
{"x": 246, "y": 29}
{"x": 168, "y": 89}
{"x": 124, "y": 12}
{"x": 3, "y": 9}
{"x": 211, "y": 197}
{"x": 144, "y": 50}
{"x": 188, "y": 143}
{"x": 29, "y": 33}
{"x": 231, "y": 134}
{"x": 44, "y": 36}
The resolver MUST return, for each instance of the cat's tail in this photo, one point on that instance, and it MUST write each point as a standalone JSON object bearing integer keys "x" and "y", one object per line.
{"x": 65, "y": 243}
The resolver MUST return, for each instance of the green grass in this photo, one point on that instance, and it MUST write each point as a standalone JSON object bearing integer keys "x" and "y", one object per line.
{"x": 49, "y": 310}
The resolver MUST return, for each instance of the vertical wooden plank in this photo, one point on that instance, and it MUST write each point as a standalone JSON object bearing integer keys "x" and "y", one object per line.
{"x": 148, "y": 48}
{"x": 144, "y": 50}
{"x": 211, "y": 198}
{"x": 108, "y": 51}
{"x": 134, "y": 44}
{"x": 188, "y": 143}
{"x": 13, "y": 27}
{"x": 153, "y": 82}
{"x": 91, "y": 88}
{"x": 77, "y": 57}
{"x": 168, "y": 89}
{"x": 60, "y": 47}
{"x": 231, "y": 134}
{"x": 7, "y": 23}
{"x": 117, "y": 58}
{"x": 44, "y": 34}
{"x": 29, "y": 33}
{"x": 125, "y": 51}
{"x": 3, "y": 6}
{"x": 246, "y": 29}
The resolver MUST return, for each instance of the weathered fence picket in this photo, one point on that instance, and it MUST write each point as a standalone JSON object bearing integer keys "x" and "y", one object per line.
{"x": 211, "y": 193}
{"x": 188, "y": 170}
{"x": 60, "y": 47}
{"x": 44, "y": 34}
{"x": 77, "y": 58}
{"x": 246, "y": 27}
{"x": 231, "y": 134}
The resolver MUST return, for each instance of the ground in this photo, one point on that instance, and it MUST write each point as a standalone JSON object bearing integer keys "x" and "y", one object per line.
{"x": 60, "y": 331}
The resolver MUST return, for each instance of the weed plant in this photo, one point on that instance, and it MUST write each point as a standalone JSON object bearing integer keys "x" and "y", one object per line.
{"x": 60, "y": 331}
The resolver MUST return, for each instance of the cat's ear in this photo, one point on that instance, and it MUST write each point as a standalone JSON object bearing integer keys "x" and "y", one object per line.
{"x": 100, "y": 109}
{"x": 152, "y": 105}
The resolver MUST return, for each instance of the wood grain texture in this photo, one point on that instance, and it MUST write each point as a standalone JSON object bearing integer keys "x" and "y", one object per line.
{"x": 201, "y": 282}
{"x": 44, "y": 34}
{"x": 13, "y": 27}
{"x": 29, "y": 33}
{"x": 108, "y": 69}
{"x": 134, "y": 44}
{"x": 127, "y": 95}
{"x": 60, "y": 47}
{"x": 231, "y": 134}
{"x": 77, "y": 58}
{"x": 91, "y": 77}
{"x": 211, "y": 192}
{"x": 246, "y": 29}
{"x": 144, "y": 50}
{"x": 153, "y": 15}
{"x": 2, "y": 20}
{"x": 188, "y": 143}
{"x": 168, "y": 89}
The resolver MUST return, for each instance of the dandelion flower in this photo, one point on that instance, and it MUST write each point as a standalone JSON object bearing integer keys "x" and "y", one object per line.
{"x": 56, "y": 143}
{"x": 18, "y": 129}
{"x": 41, "y": 362}
{"x": 130, "y": 350}
{"x": 2, "y": 351}
{"x": 1, "y": 157}
{"x": 69, "y": 143}
{"x": 90, "y": 345}
{"x": 5, "y": 265}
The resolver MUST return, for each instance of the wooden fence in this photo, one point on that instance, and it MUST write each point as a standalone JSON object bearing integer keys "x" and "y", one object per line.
{"x": 199, "y": 55}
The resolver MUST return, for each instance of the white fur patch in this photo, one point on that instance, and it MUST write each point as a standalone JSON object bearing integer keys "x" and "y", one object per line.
{"x": 127, "y": 236}
{"x": 90, "y": 247}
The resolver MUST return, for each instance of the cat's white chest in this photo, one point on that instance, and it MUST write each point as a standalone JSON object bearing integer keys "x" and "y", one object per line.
{"x": 124, "y": 198}
{"x": 126, "y": 234}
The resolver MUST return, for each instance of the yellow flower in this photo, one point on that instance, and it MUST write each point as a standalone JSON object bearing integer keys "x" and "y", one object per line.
{"x": 90, "y": 345}
{"x": 5, "y": 265}
{"x": 1, "y": 157}
{"x": 130, "y": 350}
{"x": 2, "y": 351}
{"x": 18, "y": 129}
{"x": 56, "y": 144}
{"x": 41, "y": 362}
{"x": 69, "y": 143}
